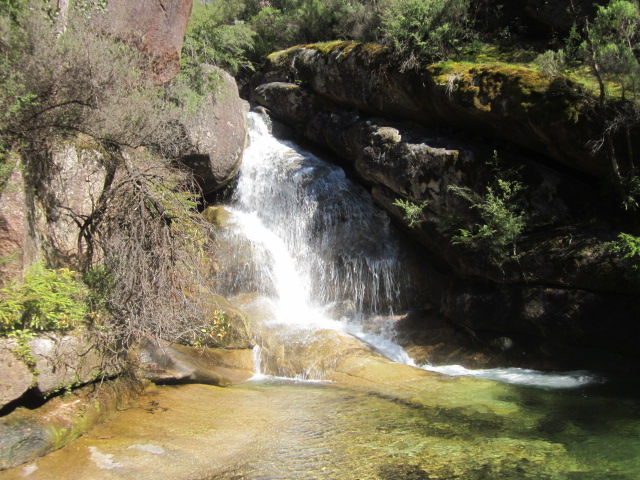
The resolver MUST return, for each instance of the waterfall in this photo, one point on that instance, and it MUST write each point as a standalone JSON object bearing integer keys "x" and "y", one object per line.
{"x": 321, "y": 255}
{"x": 315, "y": 244}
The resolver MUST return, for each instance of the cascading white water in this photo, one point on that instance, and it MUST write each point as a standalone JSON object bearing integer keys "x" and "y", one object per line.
{"x": 315, "y": 244}
{"x": 319, "y": 245}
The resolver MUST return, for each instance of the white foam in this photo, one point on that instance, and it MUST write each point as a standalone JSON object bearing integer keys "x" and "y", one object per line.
{"x": 521, "y": 376}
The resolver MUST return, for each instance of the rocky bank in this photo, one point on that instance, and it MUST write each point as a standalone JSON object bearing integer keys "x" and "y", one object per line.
{"x": 564, "y": 299}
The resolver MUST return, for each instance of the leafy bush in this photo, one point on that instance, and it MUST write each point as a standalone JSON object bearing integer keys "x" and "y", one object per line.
{"x": 412, "y": 211}
{"x": 425, "y": 30}
{"x": 551, "y": 62}
{"x": 48, "y": 299}
{"x": 628, "y": 246}
{"x": 143, "y": 243}
{"x": 216, "y": 36}
{"x": 500, "y": 220}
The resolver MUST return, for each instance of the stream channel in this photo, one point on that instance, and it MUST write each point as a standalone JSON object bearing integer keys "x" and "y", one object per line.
{"x": 317, "y": 264}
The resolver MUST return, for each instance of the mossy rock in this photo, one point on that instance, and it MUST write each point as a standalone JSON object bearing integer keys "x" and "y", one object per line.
{"x": 218, "y": 216}
{"x": 552, "y": 116}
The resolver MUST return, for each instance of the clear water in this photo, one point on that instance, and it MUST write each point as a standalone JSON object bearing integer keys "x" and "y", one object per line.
{"x": 528, "y": 425}
{"x": 456, "y": 428}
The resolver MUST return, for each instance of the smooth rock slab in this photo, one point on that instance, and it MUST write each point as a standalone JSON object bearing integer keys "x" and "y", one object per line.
{"x": 162, "y": 362}
{"x": 28, "y": 434}
{"x": 16, "y": 376}
{"x": 64, "y": 361}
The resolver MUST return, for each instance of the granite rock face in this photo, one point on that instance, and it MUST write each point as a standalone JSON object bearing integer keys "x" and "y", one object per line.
{"x": 215, "y": 138}
{"x": 156, "y": 27}
{"x": 423, "y": 138}
{"x": 16, "y": 376}
{"x": 548, "y": 115}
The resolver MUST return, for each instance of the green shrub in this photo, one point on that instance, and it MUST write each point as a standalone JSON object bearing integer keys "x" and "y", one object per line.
{"x": 551, "y": 62}
{"x": 501, "y": 218}
{"x": 48, "y": 299}
{"x": 425, "y": 30}
{"x": 628, "y": 246}
{"x": 412, "y": 212}
{"x": 217, "y": 36}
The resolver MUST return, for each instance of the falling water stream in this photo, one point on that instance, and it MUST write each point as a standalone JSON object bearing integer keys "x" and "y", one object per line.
{"x": 309, "y": 253}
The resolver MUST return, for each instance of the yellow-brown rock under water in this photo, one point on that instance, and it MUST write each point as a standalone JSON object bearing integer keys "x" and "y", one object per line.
{"x": 431, "y": 428}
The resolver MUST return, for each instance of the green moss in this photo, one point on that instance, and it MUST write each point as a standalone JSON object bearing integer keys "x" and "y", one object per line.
{"x": 526, "y": 91}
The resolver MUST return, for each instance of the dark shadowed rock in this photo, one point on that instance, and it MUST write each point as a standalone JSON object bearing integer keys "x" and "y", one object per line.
{"x": 216, "y": 136}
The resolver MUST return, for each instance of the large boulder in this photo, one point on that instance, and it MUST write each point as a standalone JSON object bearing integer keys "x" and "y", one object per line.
{"x": 156, "y": 27}
{"x": 548, "y": 115}
{"x": 68, "y": 190}
{"x": 216, "y": 136}
{"x": 41, "y": 220}
{"x": 52, "y": 362}
{"x": 65, "y": 361}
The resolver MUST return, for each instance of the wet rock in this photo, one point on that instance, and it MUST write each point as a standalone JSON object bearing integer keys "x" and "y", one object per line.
{"x": 16, "y": 375}
{"x": 216, "y": 136}
{"x": 162, "y": 362}
{"x": 28, "y": 434}
{"x": 218, "y": 216}
{"x": 316, "y": 353}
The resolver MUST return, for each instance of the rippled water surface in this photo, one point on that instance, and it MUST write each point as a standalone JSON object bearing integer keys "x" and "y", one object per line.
{"x": 448, "y": 428}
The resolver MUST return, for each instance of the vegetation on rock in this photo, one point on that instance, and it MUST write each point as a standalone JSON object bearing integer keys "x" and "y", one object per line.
{"x": 143, "y": 245}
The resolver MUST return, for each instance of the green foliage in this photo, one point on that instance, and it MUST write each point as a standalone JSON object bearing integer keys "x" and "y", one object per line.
{"x": 23, "y": 349}
{"x": 614, "y": 36}
{"x": 628, "y": 246}
{"x": 501, "y": 217}
{"x": 412, "y": 211}
{"x": 629, "y": 191}
{"x": 216, "y": 36}
{"x": 99, "y": 282}
{"x": 551, "y": 62}
{"x": 47, "y": 300}
{"x": 426, "y": 30}
{"x": 214, "y": 332}
{"x": 56, "y": 82}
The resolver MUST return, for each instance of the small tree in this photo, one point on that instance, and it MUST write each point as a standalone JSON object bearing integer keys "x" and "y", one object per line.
{"x": 610, "y": 48}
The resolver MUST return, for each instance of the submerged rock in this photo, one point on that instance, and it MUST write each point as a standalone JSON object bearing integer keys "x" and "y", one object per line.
{"x": 27, "y": 434}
